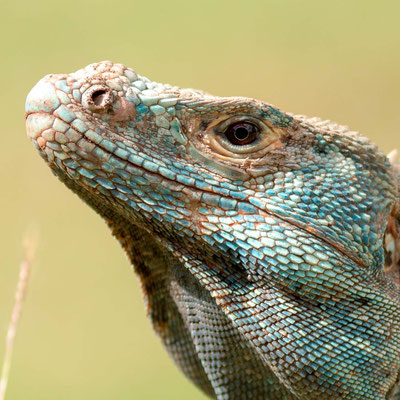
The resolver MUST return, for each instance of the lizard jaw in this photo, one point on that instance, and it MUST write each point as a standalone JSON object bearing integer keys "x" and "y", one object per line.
{"x": 43, "y": 101}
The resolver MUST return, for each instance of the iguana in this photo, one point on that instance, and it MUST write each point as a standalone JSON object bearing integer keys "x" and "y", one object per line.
{"x": 267, "y": 244}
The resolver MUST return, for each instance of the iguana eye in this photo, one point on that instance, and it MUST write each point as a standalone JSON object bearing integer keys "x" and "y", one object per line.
{"x": 241, "y": 133}
{"x": 241, "y": 136}
{"x": 98, "y": 98}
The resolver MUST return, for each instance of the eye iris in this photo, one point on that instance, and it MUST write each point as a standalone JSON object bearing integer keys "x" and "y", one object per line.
{"x": 241, "y": 133}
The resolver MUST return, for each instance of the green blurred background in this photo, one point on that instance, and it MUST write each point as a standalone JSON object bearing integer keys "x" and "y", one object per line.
{"x": 84, "y": 334}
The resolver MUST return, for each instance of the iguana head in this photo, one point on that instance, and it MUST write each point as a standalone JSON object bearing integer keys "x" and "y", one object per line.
{"x": 289, "y": 224}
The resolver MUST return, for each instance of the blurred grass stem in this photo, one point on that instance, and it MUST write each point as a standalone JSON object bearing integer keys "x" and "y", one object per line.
{"x": 30, "y": 245}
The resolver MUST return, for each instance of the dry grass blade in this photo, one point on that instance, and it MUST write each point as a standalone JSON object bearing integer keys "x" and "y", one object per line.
{"x": 26, "y": 266}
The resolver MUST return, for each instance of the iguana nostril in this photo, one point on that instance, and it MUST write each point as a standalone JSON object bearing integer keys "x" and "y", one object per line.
{"x": 98, "y": 97}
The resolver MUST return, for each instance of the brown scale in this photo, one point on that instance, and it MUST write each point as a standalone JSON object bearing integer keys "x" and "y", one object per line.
{"x": 392, "y": 246}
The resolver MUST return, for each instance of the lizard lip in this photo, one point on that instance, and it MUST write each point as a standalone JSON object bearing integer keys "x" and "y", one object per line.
{"x": 40, "y": 104}
{"x": 37, "y": 122}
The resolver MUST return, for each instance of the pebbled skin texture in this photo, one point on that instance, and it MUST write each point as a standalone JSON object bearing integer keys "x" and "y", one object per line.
{"x": 270, "y": 270}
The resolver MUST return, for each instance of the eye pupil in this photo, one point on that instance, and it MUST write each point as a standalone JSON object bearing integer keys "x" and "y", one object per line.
{"x": 241, "y": 133}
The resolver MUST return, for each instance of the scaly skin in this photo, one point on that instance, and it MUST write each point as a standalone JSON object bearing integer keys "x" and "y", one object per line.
{"x": 266, "y": 243}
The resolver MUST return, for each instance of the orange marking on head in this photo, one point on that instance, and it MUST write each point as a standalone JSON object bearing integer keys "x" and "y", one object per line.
{"x": 41, "y": 141}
